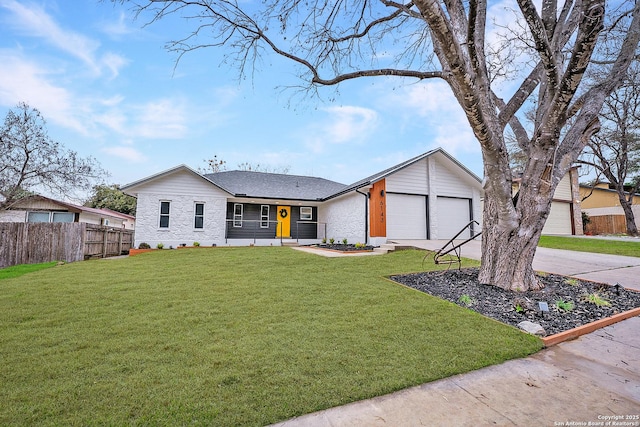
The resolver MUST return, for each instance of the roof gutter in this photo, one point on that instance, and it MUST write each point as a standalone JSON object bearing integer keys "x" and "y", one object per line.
{"x": 366, "y": 216}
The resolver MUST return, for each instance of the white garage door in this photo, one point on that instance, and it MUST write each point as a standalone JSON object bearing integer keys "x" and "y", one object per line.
{"x": 453, "y": 214}
{"x": 406, "y": 216}
{"x": 559, "y": 221}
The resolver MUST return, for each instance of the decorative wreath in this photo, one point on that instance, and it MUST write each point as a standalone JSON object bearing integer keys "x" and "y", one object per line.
{"x": 283, "y": 213}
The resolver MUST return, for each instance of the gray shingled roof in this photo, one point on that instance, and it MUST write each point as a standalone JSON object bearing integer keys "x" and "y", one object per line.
{"x": 274, "y": 186}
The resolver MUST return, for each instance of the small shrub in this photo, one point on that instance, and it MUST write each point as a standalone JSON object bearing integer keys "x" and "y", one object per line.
{"x": 344, "y": 241}
{"x": 571, "y": 282}
{"x": 465, "y": 300}
{"x": 196, "y": 244}
{"x": 596, "y": 299}
{"x": 565, "y": 305}
{"x": 160, "y": 245}
{"x": 144, "y": 246}
{"x": 331, "y": 240}
{"x": 521, "y": 305}
{"x": 324, "y": 240}
{"x": 360, "y": 245}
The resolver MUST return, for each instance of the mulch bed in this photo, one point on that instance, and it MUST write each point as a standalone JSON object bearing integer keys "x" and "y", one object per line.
{"x": 514, "y": 307}
{"x": 343, "y": 248}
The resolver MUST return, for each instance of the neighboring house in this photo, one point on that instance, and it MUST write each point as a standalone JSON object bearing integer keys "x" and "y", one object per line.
{"x": 601, "y": 200}
{"x": 128, "y": 221}
{"x": 43, "y": 209}
{"x": 431, "y": 196}
{"x": 565, "y": 216}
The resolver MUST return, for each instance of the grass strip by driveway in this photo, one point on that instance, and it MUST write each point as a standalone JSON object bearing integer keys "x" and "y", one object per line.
{"x": 227, "y": 336}
{"x": 600, "y": 246}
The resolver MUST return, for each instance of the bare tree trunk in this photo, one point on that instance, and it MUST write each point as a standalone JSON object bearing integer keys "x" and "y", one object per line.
{"x": 507, "y": 257}
{"x": 632, "y": 229}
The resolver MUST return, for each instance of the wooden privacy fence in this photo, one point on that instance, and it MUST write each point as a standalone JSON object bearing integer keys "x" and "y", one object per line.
{"x": 102, "y": 242}
{"x": 30, "y": 243}
{"x": 606, "y": 224}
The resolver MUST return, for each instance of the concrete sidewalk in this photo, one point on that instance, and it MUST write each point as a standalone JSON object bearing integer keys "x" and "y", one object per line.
{"x": 593, "y": 379}
{"x": 582, "y": 381}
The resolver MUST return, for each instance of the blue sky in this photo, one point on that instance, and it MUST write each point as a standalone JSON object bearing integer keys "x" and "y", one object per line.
{"x": 108, "y": 89}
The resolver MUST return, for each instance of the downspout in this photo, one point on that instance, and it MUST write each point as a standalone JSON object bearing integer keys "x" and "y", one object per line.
{"x": 366, "y": 217}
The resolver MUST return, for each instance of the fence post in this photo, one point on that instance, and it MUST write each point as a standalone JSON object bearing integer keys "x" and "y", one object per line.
{"x": 105, "y": 237}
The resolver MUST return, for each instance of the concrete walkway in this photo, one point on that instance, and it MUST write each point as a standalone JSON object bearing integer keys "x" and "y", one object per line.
{"x": 593, "y": 379}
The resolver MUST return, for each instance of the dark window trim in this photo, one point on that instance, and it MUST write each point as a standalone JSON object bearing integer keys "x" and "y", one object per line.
{"x": 166, "y": 215}
{"x": 197, "y": 216}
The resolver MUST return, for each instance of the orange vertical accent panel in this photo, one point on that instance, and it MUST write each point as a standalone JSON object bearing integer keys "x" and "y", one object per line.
{"x": 378, "y": 210}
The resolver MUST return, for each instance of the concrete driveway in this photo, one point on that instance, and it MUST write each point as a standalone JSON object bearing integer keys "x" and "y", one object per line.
{"x": 602, "y": 268}
{"x": 593, "y": 380}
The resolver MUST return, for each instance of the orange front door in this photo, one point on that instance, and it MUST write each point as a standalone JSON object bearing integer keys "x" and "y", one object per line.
{"x": 284, "y": 221}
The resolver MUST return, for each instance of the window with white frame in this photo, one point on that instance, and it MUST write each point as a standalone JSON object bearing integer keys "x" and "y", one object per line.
{"x": 199, "y": 216}
{"x": 42, "y": 216}
{"x": 237, "y": 214}
{"x": 306, "y": 213}
{"x": 38, "y": 216}
{"x": 264, "y": 216}
{"x": 63, "y": 217}
{"x": 165, "y": 208}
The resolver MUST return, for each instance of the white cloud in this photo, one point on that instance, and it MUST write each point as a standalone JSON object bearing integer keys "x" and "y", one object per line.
{"x": 165, "y": 118}
{"x": 119, "y": 28}
{"x": 113, "y": 101}
{"x": 350, "y": 123}
{"x": 113, "y": 119}
{"x": 114, "y": 63}
{"x": 33, "y": 20}
{"x": 127, "y": 153}
{"x": 26, "y": 81}
{"x": 432, "y": 107}
{"x": 345, "y": 124}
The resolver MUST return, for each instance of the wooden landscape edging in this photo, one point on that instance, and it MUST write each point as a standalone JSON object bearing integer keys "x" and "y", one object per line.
{"x": 589, "y": 327}
{"x": 574, "y": 333}
{"x": 134, "y": 252}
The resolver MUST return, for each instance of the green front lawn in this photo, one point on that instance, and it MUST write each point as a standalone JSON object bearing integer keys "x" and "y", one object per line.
{"x": 227, "y": 336}
{"x": 601, "y": 246}
{"x": 22, "y": 269}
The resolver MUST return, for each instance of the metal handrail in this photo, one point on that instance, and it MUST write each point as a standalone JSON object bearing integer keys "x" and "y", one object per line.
{"x": 278, "y": 224}
{"x": 255, "y": 229}
{"x": 441, "y": 252}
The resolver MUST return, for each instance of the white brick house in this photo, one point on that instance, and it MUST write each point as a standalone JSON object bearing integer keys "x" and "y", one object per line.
{"x": 431, "y": 196}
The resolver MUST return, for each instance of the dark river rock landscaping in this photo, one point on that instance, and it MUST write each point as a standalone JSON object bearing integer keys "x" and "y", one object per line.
{"x": 571, "y": 302}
